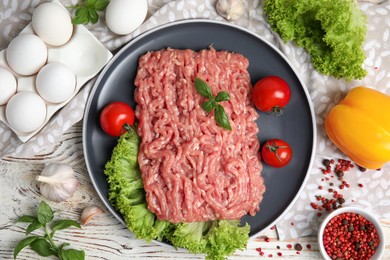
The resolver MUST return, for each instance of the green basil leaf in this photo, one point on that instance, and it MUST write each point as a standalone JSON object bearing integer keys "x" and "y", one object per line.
{"x": 22, "y": 244}
{"x": 93, "y": 16}
{"x": 90, "y": 3}
{"x": 63, "y": 224}
{"x": 33, "y": 226}
{"x": 27, "y": 219}
{"x": 100, "y": 5}
{"x": 222, "y": 96}
{"x": 72, "y": 254}
{"x": 208, "y": 105}
{"x": 203, "y": 88}
{"x": 221, "y": 117}
{"x": 81, "y": 16}
{"x": 42, "y": 247}
{"x": 45, "y": 213}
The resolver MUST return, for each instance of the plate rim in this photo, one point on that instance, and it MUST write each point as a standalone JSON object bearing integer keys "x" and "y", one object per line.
{"x": 226, "y": 24}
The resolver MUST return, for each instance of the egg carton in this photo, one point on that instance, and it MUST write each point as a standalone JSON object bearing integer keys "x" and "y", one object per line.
{"x": 83, "y": 54}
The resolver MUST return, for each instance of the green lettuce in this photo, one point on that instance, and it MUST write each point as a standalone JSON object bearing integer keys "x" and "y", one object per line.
{"x": 217, "y": 239}
{"x": 332, "y": 32}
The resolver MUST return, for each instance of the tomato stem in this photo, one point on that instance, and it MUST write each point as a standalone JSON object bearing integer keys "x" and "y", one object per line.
{"x": 277, "y": 111}
{"x": 126, "y": 128}
{"x": 274, "y": 148}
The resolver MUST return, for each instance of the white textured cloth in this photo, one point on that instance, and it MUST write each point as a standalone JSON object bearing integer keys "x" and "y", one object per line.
{"x": 325, "y": 92}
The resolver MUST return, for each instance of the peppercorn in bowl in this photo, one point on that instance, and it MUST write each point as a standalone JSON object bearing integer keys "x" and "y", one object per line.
{"x": 351, "y": 233}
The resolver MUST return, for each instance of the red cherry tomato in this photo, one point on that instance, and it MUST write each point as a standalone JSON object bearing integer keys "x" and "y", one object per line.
{"x": 276, "y": 153}
{"x": 271, "y": 94}
{"x": 115, "y": 116}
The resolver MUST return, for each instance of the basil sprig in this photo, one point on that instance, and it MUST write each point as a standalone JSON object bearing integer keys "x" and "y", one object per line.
{"x": 212, "y": 103}
{"x": 44, "y": 245}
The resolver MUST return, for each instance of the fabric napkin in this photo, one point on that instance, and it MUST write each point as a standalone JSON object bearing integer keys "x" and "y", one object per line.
{"x": 300, "y": 218}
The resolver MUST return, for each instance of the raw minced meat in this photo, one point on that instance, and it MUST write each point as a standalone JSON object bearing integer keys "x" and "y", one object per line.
{"x": 192, "y": 169}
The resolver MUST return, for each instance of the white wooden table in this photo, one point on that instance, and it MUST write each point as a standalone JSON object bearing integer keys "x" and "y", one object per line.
{"x": 104, "y": 237}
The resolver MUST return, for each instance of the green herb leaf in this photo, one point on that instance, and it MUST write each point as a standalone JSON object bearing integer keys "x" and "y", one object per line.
{"x": 22, "y": 244}
{"x": 222, "y": 96}
{"x": 45, "y": 213}
{"x": 208, "y": 105}
{"x": 72, "y": 254}
{"x": 221, "y": 117}
{"x": 90, "y": 3}
{"x": 33, "y": 226}
{"x": 27, "y": 219}
{"x": 100, "y": 5}
{"x": 203, "y": 88}
{"x": 81, "y": 16}
{"x": 42, "y": 247}
{"x": 63, "y": 224}
{"x": 93, "y": 16}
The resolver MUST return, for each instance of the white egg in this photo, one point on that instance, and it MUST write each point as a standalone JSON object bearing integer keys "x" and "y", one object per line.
{"x": 26, "y": 54}
{"x": 25, "y": 112}
{"x": 52, "y": 23}
{"x": 7, "y": 85}
{"x": 55, "y": 82}
{"x": 124, "y": 16}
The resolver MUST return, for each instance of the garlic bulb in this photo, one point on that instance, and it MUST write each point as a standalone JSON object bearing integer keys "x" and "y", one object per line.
{"x": 89, "y": 213}
{"x": 57, "y": 182}
{"x": 230, "y": 9}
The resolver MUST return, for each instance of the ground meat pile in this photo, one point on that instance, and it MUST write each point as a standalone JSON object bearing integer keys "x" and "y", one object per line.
{"x": 192, "y": 169}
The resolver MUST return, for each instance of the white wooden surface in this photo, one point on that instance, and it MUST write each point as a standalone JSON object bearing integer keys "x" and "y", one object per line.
{"x": 104, "y": 237}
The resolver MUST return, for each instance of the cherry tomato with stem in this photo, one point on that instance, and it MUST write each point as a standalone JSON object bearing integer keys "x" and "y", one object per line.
{"x": 271, "y": 94}
{"x": 116, "y": 118}
{"x": 276, "y": 153}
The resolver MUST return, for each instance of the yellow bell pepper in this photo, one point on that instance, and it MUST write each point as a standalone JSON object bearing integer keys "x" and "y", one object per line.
{"x": 360, "y": 127}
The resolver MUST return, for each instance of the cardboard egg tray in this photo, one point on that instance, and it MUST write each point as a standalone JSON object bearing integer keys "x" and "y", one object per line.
{"x": 83, "y": 54}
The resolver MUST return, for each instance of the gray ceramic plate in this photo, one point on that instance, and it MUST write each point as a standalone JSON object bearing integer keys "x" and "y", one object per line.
{"x": 296, "y": 125}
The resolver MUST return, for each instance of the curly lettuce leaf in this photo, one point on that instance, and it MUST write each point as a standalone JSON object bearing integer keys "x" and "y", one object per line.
{"x": 126, "y": 191}
{"x": 218, "y": 238}
{"x": 331, "y": 31}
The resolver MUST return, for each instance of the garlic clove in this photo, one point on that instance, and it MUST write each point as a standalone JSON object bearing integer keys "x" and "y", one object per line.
{"x": 89, "y": 213}
{"x": 230, "y": 9}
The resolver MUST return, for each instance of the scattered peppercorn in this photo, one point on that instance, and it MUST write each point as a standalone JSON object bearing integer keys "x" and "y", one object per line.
{"x": 362, "y": 169}
{"x": 326, "y": 162}
{"x": 339, "y": 173}
{"x": 298, "y": 247}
